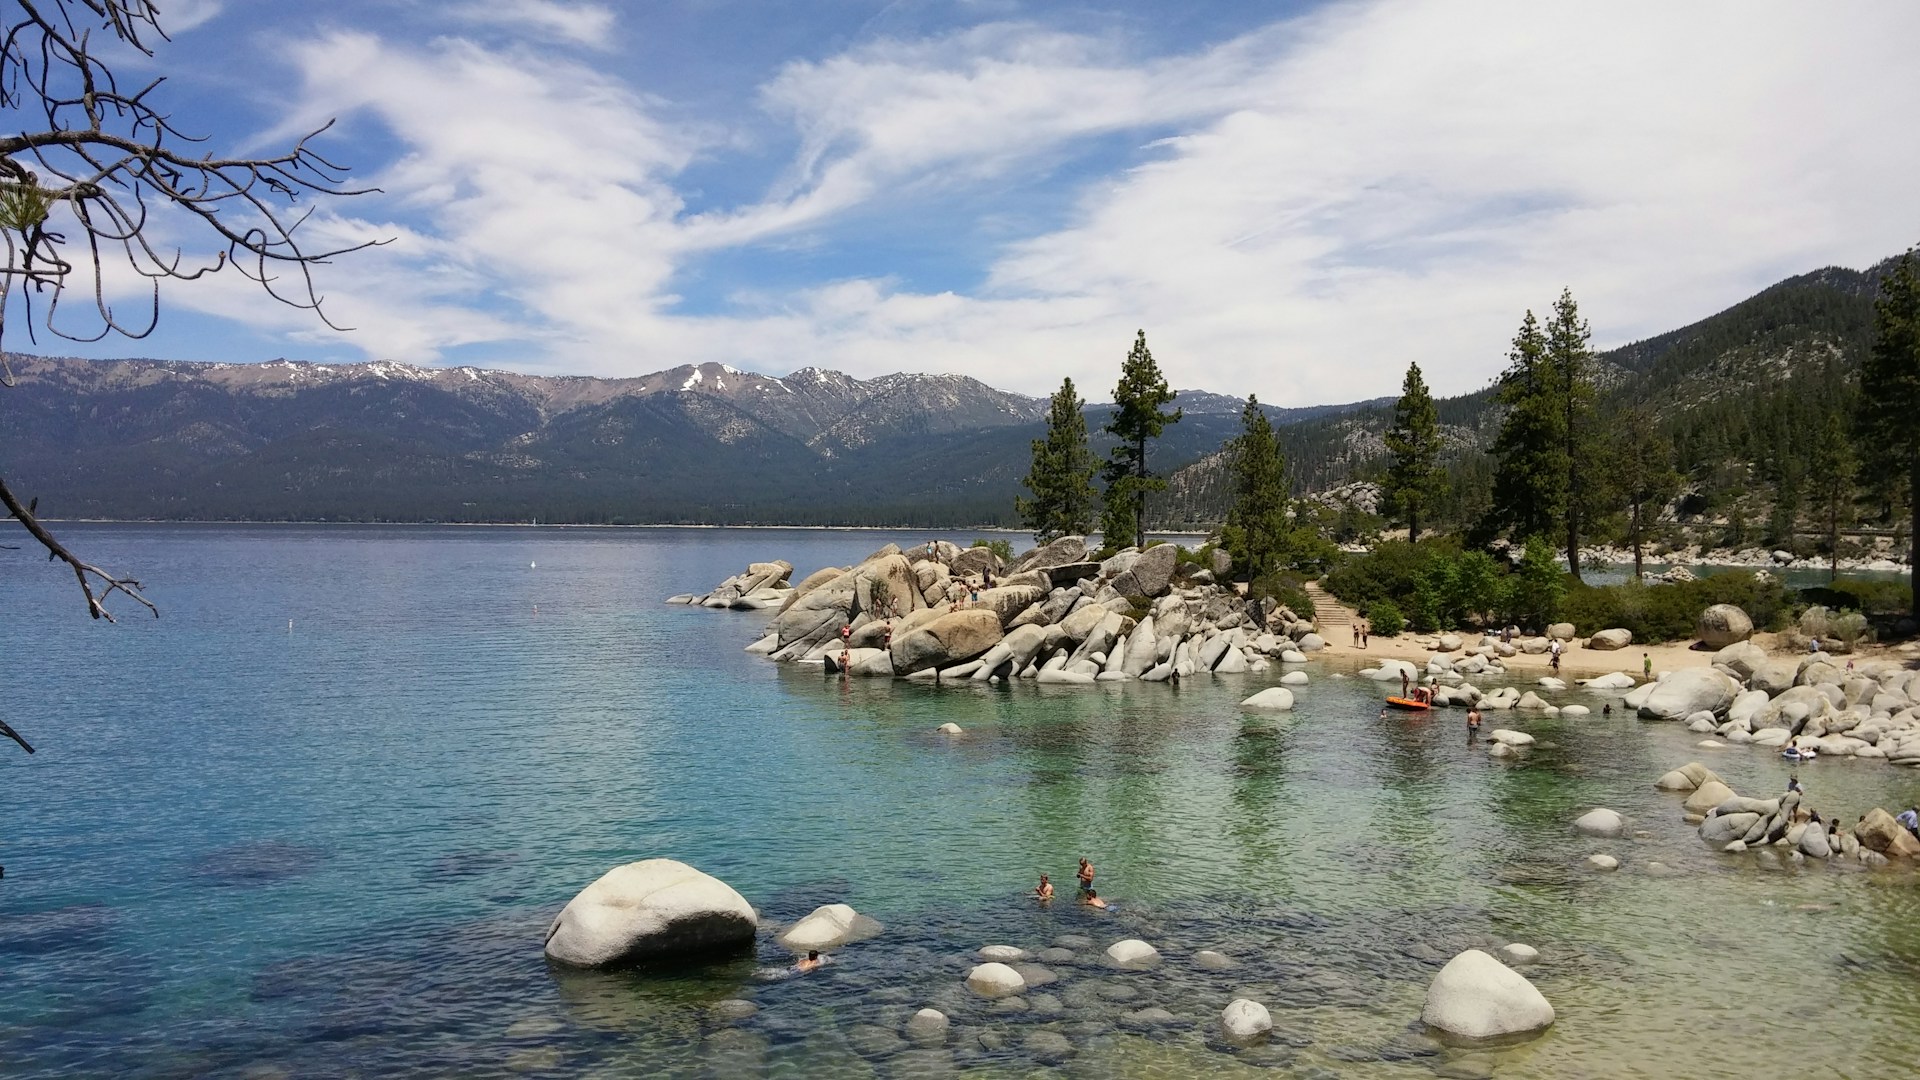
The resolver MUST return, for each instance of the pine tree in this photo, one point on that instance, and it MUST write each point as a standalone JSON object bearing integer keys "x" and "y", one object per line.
{"x": 1888, "y": 437}
{"x": 1529, "y": 480}
{"x": 1255, "y": 532}
{"x": 1137, "y": 402}
{"x": 1061, "y": 477}
{"x": 1415, "y": 482}
{"x": 1569, "y": 363}
{"x": 1830, "y": 472}
{"x": 1644, "y": 475}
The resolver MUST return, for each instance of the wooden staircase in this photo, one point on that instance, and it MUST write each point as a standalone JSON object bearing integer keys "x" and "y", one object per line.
{"x": 1329, "y": 615}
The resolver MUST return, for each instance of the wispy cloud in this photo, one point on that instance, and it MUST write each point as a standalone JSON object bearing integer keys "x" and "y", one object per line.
{"x": 578, "y": 24}
{"x": 1304, "y": 209}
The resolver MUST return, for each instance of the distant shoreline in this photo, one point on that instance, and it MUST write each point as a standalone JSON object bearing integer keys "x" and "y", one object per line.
{"x": 569, "y": 525}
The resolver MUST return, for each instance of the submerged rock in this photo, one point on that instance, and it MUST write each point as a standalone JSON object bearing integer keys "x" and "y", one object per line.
{"x": 828, "y": 927}
{"x": 1600, "y": 822}
{"x": 655, "y": 907}
{"x": 1244, "y": 1021}
{"x": 1274, "y": 698}
{"x": 995, "y": 980}
{"x": 1133, "y": 953}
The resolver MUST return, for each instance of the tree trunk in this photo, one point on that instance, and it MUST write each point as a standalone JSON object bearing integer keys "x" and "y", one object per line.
{"x": 1573, "y": 545}
{"x": 1140, "y": 495}
{"x": 1413, "y": 526}
{"x": 1636, "y": 542}
{"x": 1913, "y": 535}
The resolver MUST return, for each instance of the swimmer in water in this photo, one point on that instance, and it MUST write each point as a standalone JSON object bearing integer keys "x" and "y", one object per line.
{"x": 1092, "y": 899}
{"x": 1043, "y": 892}
{"x": 812, "y": 963}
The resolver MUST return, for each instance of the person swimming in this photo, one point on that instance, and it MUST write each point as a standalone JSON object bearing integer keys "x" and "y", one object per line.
{"x": 1044, "y": 891}
{"x": 812, "y": 962}
{"x": 1092, "y": 899}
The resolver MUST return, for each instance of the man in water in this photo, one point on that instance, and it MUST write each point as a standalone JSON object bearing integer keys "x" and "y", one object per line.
{"x": 1086, "y": 878}
{"x": 1044, "y": 892}
{"x": 1092, "y": 899}
{"x": 811, "y": 963}
{"x": 1473, "y": 724}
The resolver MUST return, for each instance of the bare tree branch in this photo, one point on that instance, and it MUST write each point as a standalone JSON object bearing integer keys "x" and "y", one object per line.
{"x": 82, "y": 191}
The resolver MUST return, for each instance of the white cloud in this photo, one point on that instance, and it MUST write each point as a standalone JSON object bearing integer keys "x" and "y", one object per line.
{"x": 578, "y": 24}
{"x": 1321, "y": 201}
{"x": 180, "y": 16}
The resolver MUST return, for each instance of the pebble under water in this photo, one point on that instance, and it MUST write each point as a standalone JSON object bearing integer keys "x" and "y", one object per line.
{"x": 249, "y": 850}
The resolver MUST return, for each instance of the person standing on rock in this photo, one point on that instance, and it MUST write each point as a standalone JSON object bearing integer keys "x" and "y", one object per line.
{"x": 1086, "y": 877}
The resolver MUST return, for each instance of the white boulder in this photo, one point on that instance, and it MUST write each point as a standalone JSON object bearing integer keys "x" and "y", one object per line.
{"x": 655, "y": 907}
{"x": 1133, "y": 953}
{"x": 828, "y": 927}
{"x": 1600, "y": 821}
{"x": 995, "y": 980}
{"x": 1245, "y": 1021}
{"x": 1478, "y": 997}
{"x": 1276, "y": 698}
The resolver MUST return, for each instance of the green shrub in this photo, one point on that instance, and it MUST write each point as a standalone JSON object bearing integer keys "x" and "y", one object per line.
{"x": 1391, "y": 571}
{"x": 1385, "y": 618}
{"x": 1002, "y": 548}
{"x": 1873, "y": 596}
{"x": 1671, "y": 611}
{"x": 1285, "y": 587}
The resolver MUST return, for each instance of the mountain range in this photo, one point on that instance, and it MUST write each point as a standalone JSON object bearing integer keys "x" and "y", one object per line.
{"x": 383, "y": 441}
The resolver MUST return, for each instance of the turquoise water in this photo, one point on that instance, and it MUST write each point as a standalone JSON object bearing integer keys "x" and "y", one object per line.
{"x": 249, "y": 849}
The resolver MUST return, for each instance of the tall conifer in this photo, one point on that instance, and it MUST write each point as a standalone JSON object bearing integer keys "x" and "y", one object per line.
{"x": 1061, "y": 477}
{"x": 1570, "y": 366}
{"x": 1415, "y": 481}
{"x": 1644, "y": 475}
{"x": 1889, "y": 437}
{"x": 1256, "y": 528}
{"x": 1830, "y": 481}
{"x": 1529, "y": 480}
{"x": 1137, "y": 417}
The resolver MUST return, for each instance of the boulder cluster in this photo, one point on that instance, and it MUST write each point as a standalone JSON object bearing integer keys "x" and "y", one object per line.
{"x": 1810, "y": 704}
{"x": 1054, "y": 615}
{"x": 764, "y": 585}
{"x": 659, "y": 908}
{"x": 1735, "y": 823}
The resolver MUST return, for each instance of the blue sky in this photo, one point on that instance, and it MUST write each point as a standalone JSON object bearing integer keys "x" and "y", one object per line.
{"x": 1295, "y": 200}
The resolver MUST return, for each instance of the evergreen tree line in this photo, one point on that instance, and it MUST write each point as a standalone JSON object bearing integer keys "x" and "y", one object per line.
{"x": 1828, "y": 444}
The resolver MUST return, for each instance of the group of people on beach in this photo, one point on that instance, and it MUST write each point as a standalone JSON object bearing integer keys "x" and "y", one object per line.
{"x": 1361, "y": 630}
{"x": 1044, "y": 891}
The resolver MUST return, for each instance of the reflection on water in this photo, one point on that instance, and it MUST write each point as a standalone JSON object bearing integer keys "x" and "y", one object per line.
{"x": 242, "y": 851}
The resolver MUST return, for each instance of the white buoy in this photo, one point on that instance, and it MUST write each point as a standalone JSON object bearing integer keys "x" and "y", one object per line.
{"x": 531, "y": 565}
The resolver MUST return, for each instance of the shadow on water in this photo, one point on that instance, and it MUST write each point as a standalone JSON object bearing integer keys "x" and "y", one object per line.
{"x": 258, "y": 863}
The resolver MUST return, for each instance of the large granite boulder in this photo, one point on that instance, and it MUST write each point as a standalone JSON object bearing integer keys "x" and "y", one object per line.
{"x": 1600, "y": 822}
{"x": 1609, "y": 640}
{"x": 1879, "y": 831}
{"x": 646, "y": 909}
{"x": 1142, "y": 649}
{"x": 1723, "y": 624}
{"x": 809, "y": 583}
{"x": 1006, "y": 601}
{"x": 1153, "y": 570}
{"x": 1740, "y": 659}
{"x": 947, "y": 639}
{"x": 1689, "y": 691}
{"x": 1276, "y": 698}
{"x": 1478, "y": 997}
{"x": 1062, "y": 552}
{"x": 1775, "y": 676}
{"x": 973, "y": 562}
{"x": 1083, "y": 621}
{"x": 821, "y": 610}
{"x": 887, "y": 578}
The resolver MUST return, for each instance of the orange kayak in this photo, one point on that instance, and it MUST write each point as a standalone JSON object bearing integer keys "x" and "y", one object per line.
{"x": 1407, "y": 703}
